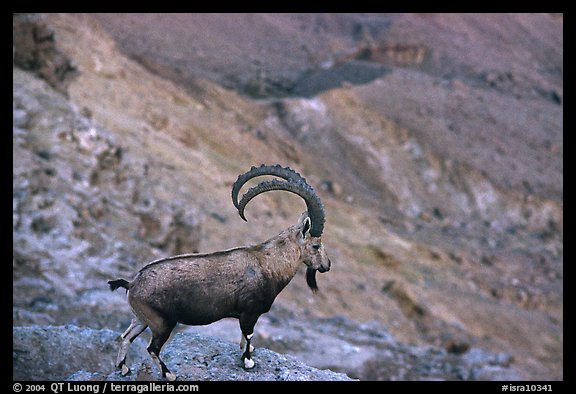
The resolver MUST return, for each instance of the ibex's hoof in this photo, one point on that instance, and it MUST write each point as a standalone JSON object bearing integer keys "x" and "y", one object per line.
{"x": 125, "y": 370}
{"x": 248, "y": 363}
{"x": 170, "y": 376}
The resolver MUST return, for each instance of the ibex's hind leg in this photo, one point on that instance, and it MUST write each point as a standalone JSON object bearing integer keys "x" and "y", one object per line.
{"x": 136, "y": 327}
{"x": 159, "y": 337}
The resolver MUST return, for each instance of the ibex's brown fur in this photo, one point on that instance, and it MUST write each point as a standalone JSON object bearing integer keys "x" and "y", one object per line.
{"x": 198, "y": 289}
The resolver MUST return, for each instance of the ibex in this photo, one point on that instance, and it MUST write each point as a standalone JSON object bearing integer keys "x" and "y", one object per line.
{"x": 199, "y": 289}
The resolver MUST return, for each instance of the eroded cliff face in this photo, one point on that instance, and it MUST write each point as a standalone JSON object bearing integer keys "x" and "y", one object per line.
{"x": 435, "y": 142}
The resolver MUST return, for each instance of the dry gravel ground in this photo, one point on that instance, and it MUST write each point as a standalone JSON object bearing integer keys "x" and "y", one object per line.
{"x": 435, "y": 142}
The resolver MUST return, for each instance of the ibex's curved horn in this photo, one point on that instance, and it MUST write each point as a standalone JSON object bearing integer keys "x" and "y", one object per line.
{"x": 276, "y": 170}
{"x": 301, "y": 188}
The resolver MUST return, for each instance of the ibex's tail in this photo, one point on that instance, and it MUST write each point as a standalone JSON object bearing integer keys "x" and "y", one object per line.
{"x": 114, "y": 284}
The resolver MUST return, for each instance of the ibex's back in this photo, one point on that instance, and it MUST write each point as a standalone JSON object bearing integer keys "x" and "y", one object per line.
{"x": 242, "y": 282}
{"x": 184, "y": 288}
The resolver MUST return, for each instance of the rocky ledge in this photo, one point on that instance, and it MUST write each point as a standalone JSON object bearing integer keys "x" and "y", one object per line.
{"x": 76, "y": 353}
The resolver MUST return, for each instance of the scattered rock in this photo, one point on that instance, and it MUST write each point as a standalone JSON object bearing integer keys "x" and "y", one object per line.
{"x": 35, "y": 49}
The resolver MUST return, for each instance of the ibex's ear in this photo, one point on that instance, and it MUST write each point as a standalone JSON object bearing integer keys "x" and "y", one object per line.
{"x": 305, "y": 226}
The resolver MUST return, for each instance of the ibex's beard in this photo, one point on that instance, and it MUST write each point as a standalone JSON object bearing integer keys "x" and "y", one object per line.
{"x": 311, "y": 279}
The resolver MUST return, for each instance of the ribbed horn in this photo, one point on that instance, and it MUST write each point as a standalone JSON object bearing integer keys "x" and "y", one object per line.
{"x": 275, "y": 170}
{"x": 301, "y": 188}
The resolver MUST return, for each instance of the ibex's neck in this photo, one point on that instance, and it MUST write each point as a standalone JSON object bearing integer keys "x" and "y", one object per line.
{"x": 280, "y": 256}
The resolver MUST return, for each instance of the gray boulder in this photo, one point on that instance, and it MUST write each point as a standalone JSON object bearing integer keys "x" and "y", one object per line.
{"x": 56, "y": 352}
{"x": 74, "y": 353}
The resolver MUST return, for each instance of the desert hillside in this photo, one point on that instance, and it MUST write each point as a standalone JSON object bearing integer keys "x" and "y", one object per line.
{"x": 435, "y": 142}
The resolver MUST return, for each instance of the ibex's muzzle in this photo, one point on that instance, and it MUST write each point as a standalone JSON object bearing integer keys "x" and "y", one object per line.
{"x": 324, "y": 268}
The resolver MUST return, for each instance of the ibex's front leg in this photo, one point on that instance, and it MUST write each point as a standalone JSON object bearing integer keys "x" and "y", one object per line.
{"x": 243, "y": 344}
{"x": 247, "y": 355}
{"x": 247, "y": 323}
{"x": 247, "y": 349}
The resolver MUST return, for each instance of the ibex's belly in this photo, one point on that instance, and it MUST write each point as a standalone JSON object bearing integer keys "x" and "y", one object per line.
{"x": 198, "y": 315}
{"x": 188, "y": 306}
{"x": 201, "y": 320}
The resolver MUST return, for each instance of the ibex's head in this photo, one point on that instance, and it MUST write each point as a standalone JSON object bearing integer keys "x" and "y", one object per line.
{"x": 311, "y": 223}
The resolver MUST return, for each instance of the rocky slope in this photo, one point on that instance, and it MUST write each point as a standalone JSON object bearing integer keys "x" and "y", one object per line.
{"x": 64, "y": 258}
{"x": 441, "y": 175}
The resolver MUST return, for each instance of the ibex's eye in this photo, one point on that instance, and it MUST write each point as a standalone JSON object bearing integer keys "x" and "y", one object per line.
{"x": 316, "y": 247}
